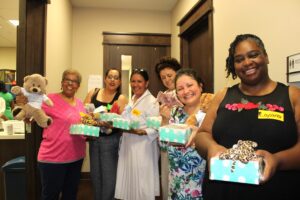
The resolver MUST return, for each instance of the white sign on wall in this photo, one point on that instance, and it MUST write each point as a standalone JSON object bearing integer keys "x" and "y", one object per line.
{"x": 293, "y": 68}
{"x": 94, "y": 81}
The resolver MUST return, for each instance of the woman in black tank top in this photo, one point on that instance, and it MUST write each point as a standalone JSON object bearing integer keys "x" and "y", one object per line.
{"x": 256, "y": 109}
{"x": 104, "y": 150}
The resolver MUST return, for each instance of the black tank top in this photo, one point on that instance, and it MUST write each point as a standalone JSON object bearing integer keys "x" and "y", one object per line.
{"x": 268, "y": 120}
{"x": 270, "y": 133}
{"x": 100, "y": 103}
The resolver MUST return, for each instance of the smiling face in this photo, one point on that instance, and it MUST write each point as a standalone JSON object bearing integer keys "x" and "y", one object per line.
{"x": 138, "y": 85}
{"x": 250, "y": 63}
{"x": 112, "y": 80}
{"x": 167, "y": 76}
{"x": 70, "y": 85}
{"x": 188, "y": 90}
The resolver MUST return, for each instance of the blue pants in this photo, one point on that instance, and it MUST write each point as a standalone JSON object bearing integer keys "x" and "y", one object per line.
{"x": 103, "y": 163}
{"x": 60, "y": 178}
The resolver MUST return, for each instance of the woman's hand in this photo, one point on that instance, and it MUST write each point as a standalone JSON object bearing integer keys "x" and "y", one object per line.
{"x": 165, "y": 112}
{"x": 191, "y": 141}
{"x": 105, "y": 124}
{"x": 271, "y": 164}
{"x": 137, "y": 131}
{"x": 213, "y": 151}
{"x": 21, "y": 100}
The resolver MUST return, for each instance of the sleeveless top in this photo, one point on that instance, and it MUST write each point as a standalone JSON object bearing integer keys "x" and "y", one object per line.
{"x": 268, "y": 120}
{"x": 100, "y": 103}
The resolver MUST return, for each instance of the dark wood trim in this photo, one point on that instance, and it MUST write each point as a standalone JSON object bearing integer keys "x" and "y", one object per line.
{"x": 194, "y": 16}
{"x": 31, "y": 59}
{"x": 142, "y": 39}
{"x": 200, "y": 15}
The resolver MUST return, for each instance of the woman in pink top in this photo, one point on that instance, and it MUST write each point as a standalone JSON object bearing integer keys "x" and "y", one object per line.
{"x": 61, "y": 155}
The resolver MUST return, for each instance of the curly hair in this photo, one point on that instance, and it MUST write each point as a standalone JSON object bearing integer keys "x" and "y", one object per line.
{"x": 167, "y": 62}
{"x": 230, "y": 59}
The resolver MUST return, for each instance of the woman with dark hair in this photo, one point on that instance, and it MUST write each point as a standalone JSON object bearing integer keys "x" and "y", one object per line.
{"x": 186, "y": 168}
{"x": 104, "y": 150}
{"x": 137, "y": 174}
{"x": 9, "y": 100}
{"x": 166, "y": 70}
{"x": 256, "y": 109}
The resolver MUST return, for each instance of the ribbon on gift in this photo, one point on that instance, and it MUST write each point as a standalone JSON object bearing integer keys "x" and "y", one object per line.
{"x": 242, "y": 151}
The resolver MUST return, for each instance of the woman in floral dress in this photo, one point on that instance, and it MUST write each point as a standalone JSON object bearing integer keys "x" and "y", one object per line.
{"x": 186, "y": 168}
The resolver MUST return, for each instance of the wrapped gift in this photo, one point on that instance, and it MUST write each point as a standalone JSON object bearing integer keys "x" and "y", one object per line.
{"x": 177, "y": 133}
{"x": 82, "y": 129}
{"x": 226, "y": 170}
{"x": 153, "y": 122}
{"x": 108, "y": 116}
{"x": 125, "y": 124}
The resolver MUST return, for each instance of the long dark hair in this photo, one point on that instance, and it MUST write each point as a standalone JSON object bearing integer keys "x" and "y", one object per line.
{"x": 2, "y": 87}
{"x": 120, "y": 77}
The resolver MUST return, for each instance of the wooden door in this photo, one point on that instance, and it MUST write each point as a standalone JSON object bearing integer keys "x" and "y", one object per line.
{"x": 196, "y": 33}
{"x": 145, "y": 53}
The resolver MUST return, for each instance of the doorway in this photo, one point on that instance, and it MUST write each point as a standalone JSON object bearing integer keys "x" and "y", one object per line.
{"x": 196, "y": 37}
{"x": 141, "y": 50}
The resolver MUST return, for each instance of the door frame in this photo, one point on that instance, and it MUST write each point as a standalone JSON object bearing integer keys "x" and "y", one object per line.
{"x": 191, "y": 24}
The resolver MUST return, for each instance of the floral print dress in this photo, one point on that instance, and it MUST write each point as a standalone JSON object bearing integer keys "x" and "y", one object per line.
{"x": 186, "y": 168}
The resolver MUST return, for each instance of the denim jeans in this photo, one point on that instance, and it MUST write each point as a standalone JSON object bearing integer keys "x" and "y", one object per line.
{"x": 103, "y": 163}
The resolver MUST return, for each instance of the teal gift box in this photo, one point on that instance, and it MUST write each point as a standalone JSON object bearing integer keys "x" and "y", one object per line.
{"x": 108, "y": 116}
{"x": 153, "y": 122}
{"x": 223, "y": 170}
{"x": 82, "y": 129}
{"x": 125, "y": 124}
{"x": 177, "y": 133}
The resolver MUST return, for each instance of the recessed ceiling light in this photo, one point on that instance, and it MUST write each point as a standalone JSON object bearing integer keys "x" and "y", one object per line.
{"x": 14, "y": 22}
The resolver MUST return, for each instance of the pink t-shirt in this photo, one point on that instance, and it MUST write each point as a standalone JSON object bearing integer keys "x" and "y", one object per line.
{"x": 58, "y": 146}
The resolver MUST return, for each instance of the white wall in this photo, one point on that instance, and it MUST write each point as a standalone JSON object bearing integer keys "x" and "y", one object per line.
{"x": 58, "y": 42}
{"x": 88, "y": 25}
{"x": 178, "y": 12}
{"x": 8, "y": 58}
{"x": 276, "y": 22}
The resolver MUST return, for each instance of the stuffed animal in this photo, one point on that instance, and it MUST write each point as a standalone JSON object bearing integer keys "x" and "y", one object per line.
{"x": 205, "y": 101}
{"x": 34, "y": 88}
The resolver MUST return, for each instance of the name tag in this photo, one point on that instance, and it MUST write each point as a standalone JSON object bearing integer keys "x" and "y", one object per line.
{"x": 266, "y": 114}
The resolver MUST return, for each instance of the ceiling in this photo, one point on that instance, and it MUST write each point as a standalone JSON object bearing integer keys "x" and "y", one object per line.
{"x": 9, "y": 9}
{"x": 156, "y": 5}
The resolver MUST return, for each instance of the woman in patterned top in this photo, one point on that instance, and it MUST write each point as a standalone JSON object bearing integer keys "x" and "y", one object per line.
{"x": 186, "y": 167}
{"x": 257, "y": 109}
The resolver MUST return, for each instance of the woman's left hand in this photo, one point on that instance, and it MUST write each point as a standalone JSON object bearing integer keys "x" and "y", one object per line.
{"x": 191, "y": 141}
{"x": 271, "y": 164}
{"x": 137, "y": 131}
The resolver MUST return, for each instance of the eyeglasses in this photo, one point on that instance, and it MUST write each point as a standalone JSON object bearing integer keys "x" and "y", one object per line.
{"x": 113, "y": 78}
{"x": 69, "y": 81}
{"x": 138, "y": 70}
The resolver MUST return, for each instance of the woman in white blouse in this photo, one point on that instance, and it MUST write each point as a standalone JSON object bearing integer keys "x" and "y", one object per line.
{"x": 137, "y": 173}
